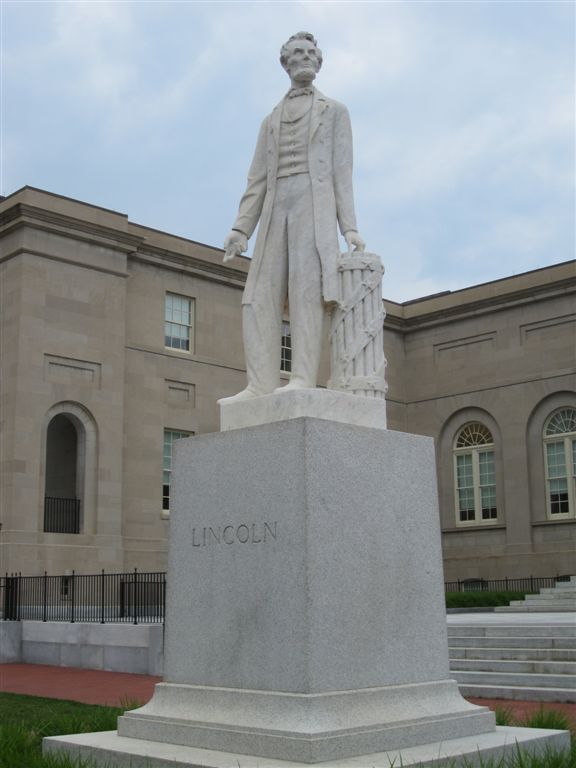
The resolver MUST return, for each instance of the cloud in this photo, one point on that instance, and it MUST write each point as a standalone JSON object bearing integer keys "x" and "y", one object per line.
{"x": 463, "y": 118}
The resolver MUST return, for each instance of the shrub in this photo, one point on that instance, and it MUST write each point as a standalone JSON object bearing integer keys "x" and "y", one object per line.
{"x": 481, "y": 599}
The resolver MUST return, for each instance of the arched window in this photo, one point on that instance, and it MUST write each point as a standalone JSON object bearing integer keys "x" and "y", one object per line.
{"x": 475, "y": 475}
{"x": 560, "y": 461}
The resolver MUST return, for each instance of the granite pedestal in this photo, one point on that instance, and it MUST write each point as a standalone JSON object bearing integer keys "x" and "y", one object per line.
{"x": 305, "y": 610}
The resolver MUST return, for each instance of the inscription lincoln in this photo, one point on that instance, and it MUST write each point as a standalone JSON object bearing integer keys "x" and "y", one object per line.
{"x": 252, "y": 533}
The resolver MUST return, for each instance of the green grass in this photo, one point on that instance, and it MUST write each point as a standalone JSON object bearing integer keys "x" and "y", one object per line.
{"x": 549, "y": 719}
{"x": 504, "y": 716}
{"x": 25, "y": 720}
{"x": 481, "y": 599}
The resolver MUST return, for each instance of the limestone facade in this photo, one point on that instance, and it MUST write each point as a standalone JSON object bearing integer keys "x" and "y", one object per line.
{"x": 93, "y": 385}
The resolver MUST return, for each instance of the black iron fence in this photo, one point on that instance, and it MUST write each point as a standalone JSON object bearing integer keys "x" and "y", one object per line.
{"x": 139, "y": 598}
{"x": 134, "y": 598}
{"x": 61, "y": 515}
{"x": 528, "y": 584}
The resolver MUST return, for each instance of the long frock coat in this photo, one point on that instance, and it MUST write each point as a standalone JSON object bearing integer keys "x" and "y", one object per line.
{"x": 330, "y": 168}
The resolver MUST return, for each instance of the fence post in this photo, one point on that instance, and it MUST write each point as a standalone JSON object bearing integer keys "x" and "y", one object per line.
{"x": 102, "y": 597}
{"x": 163, "y": 605}
{"x": 12, "y": 598}
{"x": 72, "y": 596}
{"x": 135, "y": 590}
{"x": 45, "y": 596}
{"x": 531, "y": 583}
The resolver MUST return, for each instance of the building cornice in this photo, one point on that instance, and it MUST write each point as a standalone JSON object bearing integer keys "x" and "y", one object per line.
{"x": 131, "y": 240}
{"x": 158, "y": 257}
{"x": 411, "y": 317}
{"x": 51, "y": 257}
{"x": 23, "y": 215}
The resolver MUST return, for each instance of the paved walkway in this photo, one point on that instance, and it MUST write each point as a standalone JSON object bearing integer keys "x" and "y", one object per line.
{"x": 91, "y": 686}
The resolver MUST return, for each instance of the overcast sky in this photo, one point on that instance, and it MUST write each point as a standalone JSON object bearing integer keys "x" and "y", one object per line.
{"x": 462, "y": 113}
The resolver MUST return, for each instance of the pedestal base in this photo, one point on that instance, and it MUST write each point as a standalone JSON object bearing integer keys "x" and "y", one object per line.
{"x": 112, "y": 751}
{"x": 328, "y": 404}
{"x": 305, "y": 610}
{"x": 306, "y": 728}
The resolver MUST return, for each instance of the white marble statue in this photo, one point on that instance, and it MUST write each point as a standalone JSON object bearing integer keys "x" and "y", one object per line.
{"x": 299, "y": 190}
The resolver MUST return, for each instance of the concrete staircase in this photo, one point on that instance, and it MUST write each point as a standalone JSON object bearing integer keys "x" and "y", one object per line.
{"x": 534, "y": 663}
{"x": 561, "y": 597}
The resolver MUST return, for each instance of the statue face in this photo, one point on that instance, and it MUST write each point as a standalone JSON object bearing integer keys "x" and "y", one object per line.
{"x": 302, "y": 61}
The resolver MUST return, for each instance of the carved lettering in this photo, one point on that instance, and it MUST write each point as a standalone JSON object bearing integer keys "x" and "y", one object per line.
{"x": 253, "y": 533}
{"x": 269, "y": 529}
{"x": 241, "y": 538}
{"x": 216, "y": 535}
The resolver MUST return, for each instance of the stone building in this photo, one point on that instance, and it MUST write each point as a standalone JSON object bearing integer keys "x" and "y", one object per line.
{"x": 117, "y": 339}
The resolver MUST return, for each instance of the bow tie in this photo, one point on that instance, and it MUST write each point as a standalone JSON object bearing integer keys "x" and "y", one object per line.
{"x": 294, "y": 92}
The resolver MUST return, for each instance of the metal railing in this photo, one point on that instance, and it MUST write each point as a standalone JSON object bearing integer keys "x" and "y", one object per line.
{"x": 140, "y": 598}
{"x": 136, "y": 598}
{"x": 61, "y": 515}
{"x": 528, "y": 584}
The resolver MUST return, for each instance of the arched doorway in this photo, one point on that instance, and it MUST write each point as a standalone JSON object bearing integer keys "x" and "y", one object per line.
{"x": 69, "y": 470}
{"x": 62, "y": 496}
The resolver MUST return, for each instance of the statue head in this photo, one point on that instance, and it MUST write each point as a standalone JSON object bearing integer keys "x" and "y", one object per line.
{"x": 301, "y": 57}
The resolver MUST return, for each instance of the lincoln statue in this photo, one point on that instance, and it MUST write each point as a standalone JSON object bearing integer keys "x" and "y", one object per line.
{"x": 299, "y": 190}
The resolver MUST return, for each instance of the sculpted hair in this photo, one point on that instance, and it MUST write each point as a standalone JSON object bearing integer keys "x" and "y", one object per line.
{"x": 300, "y": 36}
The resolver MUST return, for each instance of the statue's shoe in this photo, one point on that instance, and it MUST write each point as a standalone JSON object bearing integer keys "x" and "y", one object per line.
{"x": 245, "y": 394}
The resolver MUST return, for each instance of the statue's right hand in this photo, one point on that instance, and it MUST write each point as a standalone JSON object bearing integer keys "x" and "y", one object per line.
{"x": 235, "y": 244}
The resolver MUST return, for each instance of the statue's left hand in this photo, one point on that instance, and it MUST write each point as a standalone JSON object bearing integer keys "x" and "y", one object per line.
{"x": 354, "y": 241}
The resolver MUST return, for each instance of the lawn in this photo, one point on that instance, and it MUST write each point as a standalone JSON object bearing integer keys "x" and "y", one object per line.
{"x": 25, "y": 720}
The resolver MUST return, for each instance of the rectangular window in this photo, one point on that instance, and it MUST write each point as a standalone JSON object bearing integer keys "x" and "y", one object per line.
{"x": 559, "y": 500}
{"x": 487, "y": 474}
{"x": 465, "y": 487}
{"x": 557, "y": 480}
{"x": 286, "y": 349}
{"x": 178, "y": 322}
{"x": 556, "y": 460}
{"x": 476, "y": 487}
{"x": 170, "y": 437}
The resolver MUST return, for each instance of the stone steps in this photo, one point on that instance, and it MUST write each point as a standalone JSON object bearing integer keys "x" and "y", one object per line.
{"x": 513, "y": 642}
{"x": 514, "y": 662}
{"x": 561, "y": 597}
{"x": 537, "y": 607}
{"x": 517, "y": 654}
{"x": 512, "y": 630}
{"x": 517, "y": 693}
{"x": 523, "y": 666}
{"x": 514, "y": 679}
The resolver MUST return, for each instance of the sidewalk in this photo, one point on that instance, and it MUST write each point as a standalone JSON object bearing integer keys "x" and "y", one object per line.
{"x": 92, "y": 686}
